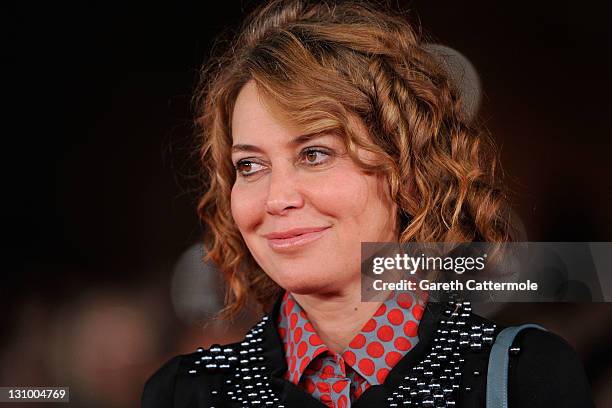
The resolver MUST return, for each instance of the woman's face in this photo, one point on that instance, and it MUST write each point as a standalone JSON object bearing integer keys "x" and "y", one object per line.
{"x": 301, "y": 204}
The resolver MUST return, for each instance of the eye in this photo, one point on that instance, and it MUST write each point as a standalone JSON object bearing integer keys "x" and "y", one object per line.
{"x": 247, "y": 168}
{"x": 315, "y": 156}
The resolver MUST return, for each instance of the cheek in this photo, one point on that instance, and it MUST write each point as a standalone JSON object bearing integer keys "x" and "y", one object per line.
{"x": 340, "y": 194}
{"x": 359, "y": 202}
{"x": 244, "y": 207}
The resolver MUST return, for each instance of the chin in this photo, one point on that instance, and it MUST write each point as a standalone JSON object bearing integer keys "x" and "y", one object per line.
{"x": 306, "y": 276}
{"x": 312, "y": 285}
{"x": 301, "y": 286}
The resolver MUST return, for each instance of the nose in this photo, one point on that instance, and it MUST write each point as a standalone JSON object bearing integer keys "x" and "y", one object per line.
{"x": 283, "y": 192}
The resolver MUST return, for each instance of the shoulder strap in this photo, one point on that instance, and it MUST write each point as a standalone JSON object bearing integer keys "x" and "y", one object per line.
{"x": 497, "y": 376}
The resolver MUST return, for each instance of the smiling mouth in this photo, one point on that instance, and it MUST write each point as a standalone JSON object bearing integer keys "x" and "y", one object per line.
{"x": 290, "y": 240}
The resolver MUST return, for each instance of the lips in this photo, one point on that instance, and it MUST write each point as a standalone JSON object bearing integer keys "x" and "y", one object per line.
{"x": 294, "y": 238}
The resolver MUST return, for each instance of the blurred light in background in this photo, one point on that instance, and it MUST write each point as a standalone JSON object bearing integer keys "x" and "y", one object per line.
{"x": 197, "y": 293}
{"x": 462, "y": 73}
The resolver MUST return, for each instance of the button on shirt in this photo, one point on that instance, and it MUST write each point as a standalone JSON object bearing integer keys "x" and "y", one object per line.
{"x": 338, "y": 379}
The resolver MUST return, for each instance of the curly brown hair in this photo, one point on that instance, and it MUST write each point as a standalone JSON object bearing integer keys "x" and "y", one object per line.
{"x": 326, "y": 63}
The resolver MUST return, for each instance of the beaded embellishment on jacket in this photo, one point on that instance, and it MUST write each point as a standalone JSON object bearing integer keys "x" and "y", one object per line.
{"x": 247, "y": 383}
{"x": 433, "y": 382}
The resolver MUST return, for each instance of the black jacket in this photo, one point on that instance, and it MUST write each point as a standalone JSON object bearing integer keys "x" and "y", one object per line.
{"x": 446, "y": 368}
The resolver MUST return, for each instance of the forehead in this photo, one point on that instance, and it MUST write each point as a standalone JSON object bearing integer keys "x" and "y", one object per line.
{"x": 254, "y": 118}
{"x": 258, "y": 121}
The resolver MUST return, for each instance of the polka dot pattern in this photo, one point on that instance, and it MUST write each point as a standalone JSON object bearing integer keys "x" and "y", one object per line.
{"x": 315, "y": 340}
{"x": 375, "y": 349}
{"x": 410, "y": 328}
{"x": 349, "y": 357}
{"x": 396, "y": 317}
{"x": 392, "y": 358}
{"x": 402, "y": 344}
{"x": 385, "y": 333}
{"x": 382, "y": 374}
{"x": 335, "y": 379}
{"x": 358, "y": 342}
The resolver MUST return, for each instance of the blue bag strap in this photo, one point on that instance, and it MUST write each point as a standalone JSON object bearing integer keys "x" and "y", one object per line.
{"x": 497, "y": 375}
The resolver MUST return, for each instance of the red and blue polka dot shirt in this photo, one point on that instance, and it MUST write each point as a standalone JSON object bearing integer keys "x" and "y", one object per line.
{"x": 339, "y": 379}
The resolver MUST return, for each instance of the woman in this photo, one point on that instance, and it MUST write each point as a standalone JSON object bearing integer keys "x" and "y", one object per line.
{"x": 327, "y": 125}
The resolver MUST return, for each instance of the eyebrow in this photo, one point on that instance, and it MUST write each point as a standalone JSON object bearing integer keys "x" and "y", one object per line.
{"x": 296, "y": 141}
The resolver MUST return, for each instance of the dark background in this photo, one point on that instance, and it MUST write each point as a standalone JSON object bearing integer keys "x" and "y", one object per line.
{"x": 99, "y": 173}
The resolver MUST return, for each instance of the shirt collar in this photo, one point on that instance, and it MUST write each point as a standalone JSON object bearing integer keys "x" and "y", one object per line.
{"x": 380, "y": 344}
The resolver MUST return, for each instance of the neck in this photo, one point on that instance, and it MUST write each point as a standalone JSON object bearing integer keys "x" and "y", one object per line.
{"x": 337, "y": 317}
